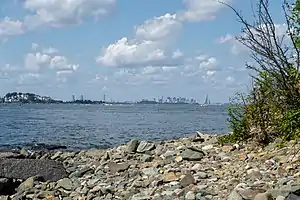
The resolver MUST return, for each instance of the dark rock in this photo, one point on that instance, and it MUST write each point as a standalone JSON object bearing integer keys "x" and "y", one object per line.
{"x": 192, "y": 155}
{"x": 116, "y": 167}
{"x": 132, "y": 146}
{"x": 7, "y": 186}
{"x": 26, "y": 168}
{"x": 50, "y": 147}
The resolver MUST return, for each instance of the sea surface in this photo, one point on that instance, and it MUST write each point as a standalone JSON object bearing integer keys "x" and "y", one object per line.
{"x": 88, "y": 126}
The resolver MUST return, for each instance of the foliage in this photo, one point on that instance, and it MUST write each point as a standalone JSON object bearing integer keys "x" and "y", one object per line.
{"x": 272, "y": 109}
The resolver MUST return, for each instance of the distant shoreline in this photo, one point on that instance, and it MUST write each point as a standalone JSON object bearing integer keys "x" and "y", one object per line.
{"x": 31, "y": 98}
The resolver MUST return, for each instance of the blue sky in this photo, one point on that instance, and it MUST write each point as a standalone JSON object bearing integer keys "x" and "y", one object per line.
{"x": 128, "y": 50}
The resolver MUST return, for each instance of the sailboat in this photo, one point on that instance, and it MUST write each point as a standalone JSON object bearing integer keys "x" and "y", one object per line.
{"x": 207, "y": 101}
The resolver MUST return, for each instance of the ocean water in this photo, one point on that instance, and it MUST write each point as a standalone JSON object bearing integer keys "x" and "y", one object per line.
{"x": 88, "y": 126}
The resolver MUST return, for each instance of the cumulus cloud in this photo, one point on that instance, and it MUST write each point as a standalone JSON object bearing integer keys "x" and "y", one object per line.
{"x": 42, "y": 62}
{"x": 151, "y": 39}
{"x": 65, "y": 12}
{"x": 9, "y": 27}
{"x": 199, "y": 10}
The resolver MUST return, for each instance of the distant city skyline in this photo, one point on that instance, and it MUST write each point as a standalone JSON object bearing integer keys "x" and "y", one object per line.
{"x": 125, "y": 50}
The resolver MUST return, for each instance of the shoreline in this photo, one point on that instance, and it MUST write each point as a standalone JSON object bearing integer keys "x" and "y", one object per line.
{"x": 195, "y": 167}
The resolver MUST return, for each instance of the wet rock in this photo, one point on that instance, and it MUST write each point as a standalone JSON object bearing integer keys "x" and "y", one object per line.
{"x": 26, "y": 168}
{"x": 116, "y": 167}
{"x": 145, "y": 146}
{"x": 132, "y": 146}
{"x": 192, "y": 155}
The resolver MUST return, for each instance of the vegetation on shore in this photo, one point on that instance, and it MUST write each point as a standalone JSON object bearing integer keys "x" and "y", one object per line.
{"x": 272, "y": 108}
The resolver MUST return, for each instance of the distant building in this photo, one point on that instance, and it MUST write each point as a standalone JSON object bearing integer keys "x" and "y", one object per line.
{"x": 73, "y": 98}
{"x": 81, "y": 97}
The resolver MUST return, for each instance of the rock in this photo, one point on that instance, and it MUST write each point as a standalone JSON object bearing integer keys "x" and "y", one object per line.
{"x": 4, "y": 155}
{"x": 26, "y": 168}
{"x": 132, "y": 146}
{"x": 190, "y": 195}
{"x": 187, "y": 180}
{"x": 192, "y": 155}
{"x": 169, "y": 177}
{"x": 254, "y": 173}
{"x": 4, "y": 198}
{"x": 146, "y": 158}
{"x": 178, "y": 159}
{"x": 280, "y": 198}
{"x": 151, "y": 172}
{"x": 234, "y": 195}
{"x": 7, "y": 186}
{"x": 116, "y": 167}
{"x": 263, "y": 196}
{"x": 145, "y": 146}
{"x": 24, "y": 152}
{"x": 65, "y": 183}
{"x": 228, "y": 148}
{"x": 81, "y": 172}
{"x": 202, "y": 175}
{"x": 207, "y": 147}
{"x": 29, "y": 183}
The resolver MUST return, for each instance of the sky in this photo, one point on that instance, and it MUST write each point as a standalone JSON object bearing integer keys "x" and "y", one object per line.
{"x": 126, "y": 49}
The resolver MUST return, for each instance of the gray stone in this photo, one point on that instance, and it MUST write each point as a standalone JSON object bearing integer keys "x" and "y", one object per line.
{"x": 26, "y": 168}
{"x": 132, "y": 146}
{"x": 190, "y": 195}
{"x": 81, "y": 172}
{"x": 151, "y": 171}
{"x": 29, "y": 183}
{"x": 263, "y": 196}
{"x": 116, "y": 167}
{"x": 187, "y": 180}
{"x": 145, "y": 146}
{"x": 192, "y": 155}
{"x": 234, "y": 195}
{"x": 293, "y": 197}
{"x": 65, "y": 183}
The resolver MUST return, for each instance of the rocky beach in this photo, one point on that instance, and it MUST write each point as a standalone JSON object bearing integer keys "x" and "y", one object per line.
{"x": 190, "y": 168}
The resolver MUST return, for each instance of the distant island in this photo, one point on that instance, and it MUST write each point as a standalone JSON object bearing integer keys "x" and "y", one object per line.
{"x": 31, "y": 98}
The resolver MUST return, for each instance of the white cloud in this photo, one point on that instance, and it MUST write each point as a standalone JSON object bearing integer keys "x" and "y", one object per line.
{"x": 125, "y": 53}
{"x": 199, "y": 10}
{"x": 65, "y": 12}
{"x": 177, "y": 54}
{"x": 237, "y": 48}
{"x": 225, "y": 39}
{"x": 34, "y": 46}
{"x": 34, "y": 61}
{"x": 159, "y": 28}
{"x": 39, "y": 61}
{"x": 201, "y": 65}
{"x": 9, "y": 27}
{"x": 50, "y": 50}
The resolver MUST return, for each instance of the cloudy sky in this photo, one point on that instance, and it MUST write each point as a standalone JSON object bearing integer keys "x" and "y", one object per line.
{"x": 127, "y": 49}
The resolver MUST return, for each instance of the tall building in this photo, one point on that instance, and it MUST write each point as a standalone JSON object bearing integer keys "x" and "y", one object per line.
{"x": 73, "y": 98}
{"x": 81, "y": 97}
{"x": 104, "y": 97}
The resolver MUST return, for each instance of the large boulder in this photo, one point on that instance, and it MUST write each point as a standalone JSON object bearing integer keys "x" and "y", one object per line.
{"x": 26, "y": 168}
